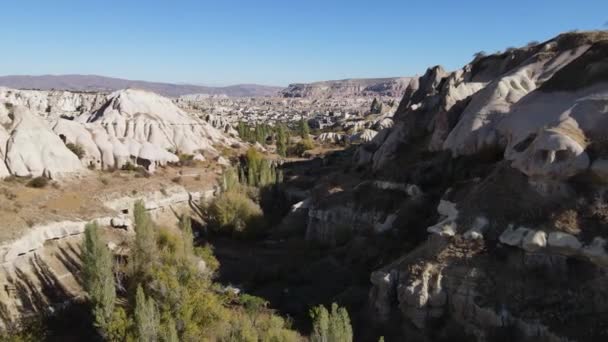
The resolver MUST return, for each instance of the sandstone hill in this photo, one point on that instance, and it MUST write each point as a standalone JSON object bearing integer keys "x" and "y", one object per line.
{"x": 94, "y": 83}
{"x": 393, "y": 87}
{"x": 127, "y": 126}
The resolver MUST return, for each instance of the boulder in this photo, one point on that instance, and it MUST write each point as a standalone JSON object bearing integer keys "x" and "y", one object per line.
{"x": 514, "y": 237}
{"x": 534, "y": 240}
{"x": 564, "y": 243}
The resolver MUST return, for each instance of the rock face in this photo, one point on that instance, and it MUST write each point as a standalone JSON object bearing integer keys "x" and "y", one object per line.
{"x": 511, "y": 151}
{"x": 348, "y": 88}
{"x": 530, "y": 103}
{"x": 129, "y": 126}
{"x": 30, "y": 148}
{"x": 55, "y": 248}
{"x": 53, "y": 103}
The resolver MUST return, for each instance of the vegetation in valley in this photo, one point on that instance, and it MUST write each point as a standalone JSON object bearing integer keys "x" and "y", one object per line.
{"x": 279, "y": 135}
{"x": 166, "y": 292}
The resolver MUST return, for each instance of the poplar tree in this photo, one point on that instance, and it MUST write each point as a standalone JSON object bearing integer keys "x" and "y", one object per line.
{"x": 98, "y": 277}
{"x": 145, "y": 248}
{"x": 331, "y": 326}
{"x": 146, "y": 317}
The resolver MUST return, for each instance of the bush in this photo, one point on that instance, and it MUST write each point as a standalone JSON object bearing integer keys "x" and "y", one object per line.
{"x": 76, "y": 149}
{"x": 301, "y": 147}
{"x": 235, "y": 213}
{"x": 38, "y": 182}
{"x": 206, "y": 253}
{"x": 186, "y": 159}
{"x": 130, "y": 167}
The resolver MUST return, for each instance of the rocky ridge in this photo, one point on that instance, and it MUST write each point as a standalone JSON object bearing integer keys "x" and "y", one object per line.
{"x": 507, "y": 235}
{"x": 393, "y": 87}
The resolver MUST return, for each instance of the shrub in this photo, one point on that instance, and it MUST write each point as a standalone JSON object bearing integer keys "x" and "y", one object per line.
{"x": 567, "y": 221}
{"x": 130, "y": 167}
{"x": 479, "y": 54}
{"x": 206, "y": 253}
{"x": 301, "y": 147}
{"x": 11, "y": 179}
{"x": 186, "y": 159}
{"x": 38, "y": 182}
{"x": 236, "y": 213}
{"x": 176, "y": 180}
{"x": 76, "y": 149}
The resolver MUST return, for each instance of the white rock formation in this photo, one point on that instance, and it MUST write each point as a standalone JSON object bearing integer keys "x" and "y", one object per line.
{"x": 132, "y": 126}
{"x": 364, "y": 136}
{"x": 447, "y": 226}
{"x": 30, "y": 148}
{"x": 330, "y": 137}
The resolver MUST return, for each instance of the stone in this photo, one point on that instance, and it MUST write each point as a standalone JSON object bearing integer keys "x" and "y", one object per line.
{"x": 563, "y": 242}
{"x": 514, "y": 237}
{"x": 599, "y": 168}
{"x": 447, "y": 226}
{"x": 534, "y": 241}
{"x": 596, "y": 251}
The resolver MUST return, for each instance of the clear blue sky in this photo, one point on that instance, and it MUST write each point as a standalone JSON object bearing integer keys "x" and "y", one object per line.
{"x": 272, "y": 42}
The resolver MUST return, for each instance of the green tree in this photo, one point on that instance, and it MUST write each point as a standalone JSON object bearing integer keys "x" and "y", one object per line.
{"x": 304, "y": 129}
{"x": 169, "y": 332}
{"x": 331, "y": 326}
{"x": 376, "y": 107}
{"x": 282, "y": 140}
{"x": 98, "y": 277}
{"x": 120, "y": 326}
{"x": 320, "y": 324}
{"x": 144, "y": 248}
{"x": 146, "y": 317}
{"x": 185, "y": 225}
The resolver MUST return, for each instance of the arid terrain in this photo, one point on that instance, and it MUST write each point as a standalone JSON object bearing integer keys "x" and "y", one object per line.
{"x": 463, "y": 205}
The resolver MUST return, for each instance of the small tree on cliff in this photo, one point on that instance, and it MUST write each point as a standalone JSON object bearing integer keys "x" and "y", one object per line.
{"x": 98, "y": 277}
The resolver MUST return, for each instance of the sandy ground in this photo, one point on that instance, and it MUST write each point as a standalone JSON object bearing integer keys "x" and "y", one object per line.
{"x": 82, "y": 196}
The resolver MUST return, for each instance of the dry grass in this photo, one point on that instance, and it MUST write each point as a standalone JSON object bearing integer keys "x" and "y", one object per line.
{"x": 568, "y": 129}
{"x": 83, "y": 197}
{"x": 566, "y": 221}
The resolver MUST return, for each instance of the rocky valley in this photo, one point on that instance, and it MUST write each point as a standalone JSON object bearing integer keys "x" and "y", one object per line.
{"x": 464, "y": 205}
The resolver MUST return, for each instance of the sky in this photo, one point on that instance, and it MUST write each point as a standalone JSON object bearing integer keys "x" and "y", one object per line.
{"x": 272, "y": 42}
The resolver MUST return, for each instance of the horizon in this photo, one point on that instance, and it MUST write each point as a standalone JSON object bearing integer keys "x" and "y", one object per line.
{"x": 201, "y": 85}
{"x": 271, "y": 43}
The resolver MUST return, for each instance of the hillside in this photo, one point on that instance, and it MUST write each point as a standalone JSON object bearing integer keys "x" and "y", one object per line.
{"x": 94, "y": 83}
{"x": 393, "y": 87}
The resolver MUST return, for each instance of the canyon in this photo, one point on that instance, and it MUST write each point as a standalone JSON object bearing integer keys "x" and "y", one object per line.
{"x": 461, "y": 205}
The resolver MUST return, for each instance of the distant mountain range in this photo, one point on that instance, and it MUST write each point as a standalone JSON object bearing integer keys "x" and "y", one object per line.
{"x": 101, "y": 83}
